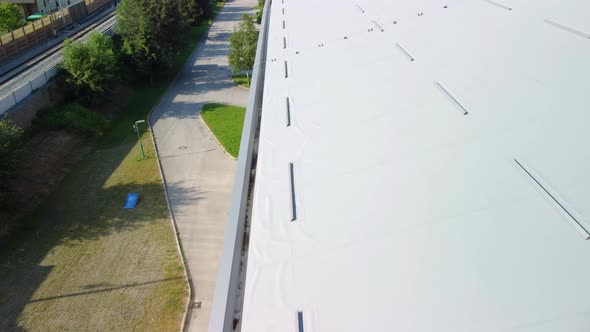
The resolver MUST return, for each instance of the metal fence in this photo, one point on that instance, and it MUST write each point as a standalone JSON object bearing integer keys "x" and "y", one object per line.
{"x": 28, "y": 86}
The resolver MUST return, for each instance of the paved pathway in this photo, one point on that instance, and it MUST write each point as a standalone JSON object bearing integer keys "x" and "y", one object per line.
{"x": 199, "y": 176}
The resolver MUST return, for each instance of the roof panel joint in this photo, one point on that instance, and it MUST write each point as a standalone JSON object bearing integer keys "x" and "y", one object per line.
{"x": 555, "y": 198}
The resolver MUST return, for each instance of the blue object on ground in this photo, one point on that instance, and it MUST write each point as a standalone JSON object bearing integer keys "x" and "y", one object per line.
{"x": 131, "y": 200}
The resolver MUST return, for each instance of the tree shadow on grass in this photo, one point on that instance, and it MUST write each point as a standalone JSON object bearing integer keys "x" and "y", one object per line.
{"x": 22, "y": 269}
{"x": 87, "y": 207}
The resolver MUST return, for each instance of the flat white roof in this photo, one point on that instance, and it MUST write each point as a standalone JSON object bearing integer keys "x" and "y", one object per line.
{"x": 441, "y": 168}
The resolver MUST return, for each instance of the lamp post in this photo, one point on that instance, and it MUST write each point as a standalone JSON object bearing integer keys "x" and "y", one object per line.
{"x": 63, "y": 15}
{"x": 136, "y": 128}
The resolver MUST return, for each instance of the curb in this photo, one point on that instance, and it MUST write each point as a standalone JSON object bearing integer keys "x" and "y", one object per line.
{"x": 184, "y": 324}
{"x": 185, "y": 316}
{"x": 215, "y": 137}
{"x": 242, "y": 87}
{"x": 191, "y": 289}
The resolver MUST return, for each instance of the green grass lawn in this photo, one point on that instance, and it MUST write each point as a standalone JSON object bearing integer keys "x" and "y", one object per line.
{"x": 80, "y": 261}
{"x": 226, "y": 123}
{"x": 241, "y": 80}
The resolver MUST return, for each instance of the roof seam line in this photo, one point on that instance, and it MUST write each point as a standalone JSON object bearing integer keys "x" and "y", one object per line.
{"x": 576, "y": 223}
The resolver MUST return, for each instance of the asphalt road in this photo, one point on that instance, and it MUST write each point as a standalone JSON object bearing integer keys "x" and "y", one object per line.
{"x": 198, "y": 174}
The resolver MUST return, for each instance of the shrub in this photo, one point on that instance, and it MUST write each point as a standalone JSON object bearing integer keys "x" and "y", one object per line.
{"x": 10, "y": 139}
{"x": 70, "y": 117}
{"x": 259, "y": 12}
{"x": 10, "y": 18}
{"x": 151, "y": 31}
{"x": 243, "y": 42}
{"x": 91, "y": 67}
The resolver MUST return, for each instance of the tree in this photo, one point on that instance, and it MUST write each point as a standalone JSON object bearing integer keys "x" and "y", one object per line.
{"x": 205, "y": 6}
{"x": 92, "y": 66}
{"x": 243, "y": 46}
{"x": 10, "y": 17}
{"x": 259, "y": 11}
{"x": 190, "y": 11}
{"x": 150, "y": 30}
{"x": 10, "y": 137}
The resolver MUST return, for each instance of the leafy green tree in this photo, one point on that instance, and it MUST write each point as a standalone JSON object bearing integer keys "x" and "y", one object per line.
{"x": 205, "y": 6}
{"x": 10, "y": 138}
{"x": 259, "y": 11}
{"x": 92, "y": 66}
{"x": 10, "y": 17}
{"x": 243, "y": 46}
{"x": 190, "y": 11}
{"x": 151, "y": 30}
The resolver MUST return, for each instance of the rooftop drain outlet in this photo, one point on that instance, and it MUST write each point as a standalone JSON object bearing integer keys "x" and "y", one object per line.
{"x": 498, "y": 4}
{"x": 288, "y": 103}
{"x": 443, "y": 89}
{"x": 377, "y": 26}
{"x": 359, "y": 8}
{"x": 405, "y": 52}
{"x": 292, "y": 185}
{"x": 568, "y": 29}
{"x": 539, "y": 181}
{"x": 286, "y": 69}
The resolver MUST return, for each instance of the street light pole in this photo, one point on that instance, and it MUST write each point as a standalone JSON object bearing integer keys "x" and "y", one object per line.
{"x": 63, "y": 15}
{"x": 136, "y": 127}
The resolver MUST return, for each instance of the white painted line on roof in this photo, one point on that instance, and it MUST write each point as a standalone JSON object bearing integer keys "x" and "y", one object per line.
{"x": 377, "y": 25}
{"x": 300, "y": 321}
{"x": 288, "y": 102}
{"x": 292, "y": 191}
{"x": 498, "y": 4}
{"x": 555, "y": 198}
{"x": 286, "y": 69}
{"x": 405, "y": 52}
{"x": 568, "y": 29}
{"x": 359, "y": 8}
{"x": 452, "y": 98}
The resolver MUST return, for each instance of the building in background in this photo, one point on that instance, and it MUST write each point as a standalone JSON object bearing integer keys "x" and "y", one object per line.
{"x": 27, "y": 7}
{"x": 30, "y": 7}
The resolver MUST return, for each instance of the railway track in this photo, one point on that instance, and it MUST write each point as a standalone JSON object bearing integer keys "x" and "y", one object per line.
{"x": 95, "y": 23}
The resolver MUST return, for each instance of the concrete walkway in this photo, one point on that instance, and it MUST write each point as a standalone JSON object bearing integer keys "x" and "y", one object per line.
{"x": 198, "y": 175}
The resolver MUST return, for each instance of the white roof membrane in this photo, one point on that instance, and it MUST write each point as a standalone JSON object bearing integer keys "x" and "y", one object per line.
{"x": 439, "y": 175}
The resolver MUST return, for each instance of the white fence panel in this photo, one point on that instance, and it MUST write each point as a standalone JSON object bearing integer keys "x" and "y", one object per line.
{"x": 23, "y": 92}
{"x": 6, "y": 103}
{"x": 50, "y": 72}
{"x": 26, "y": 89}
{"x": 38, "y": 82}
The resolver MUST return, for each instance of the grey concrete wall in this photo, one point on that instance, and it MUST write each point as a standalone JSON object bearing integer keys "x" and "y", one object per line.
{"x": 24, "y": 112}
